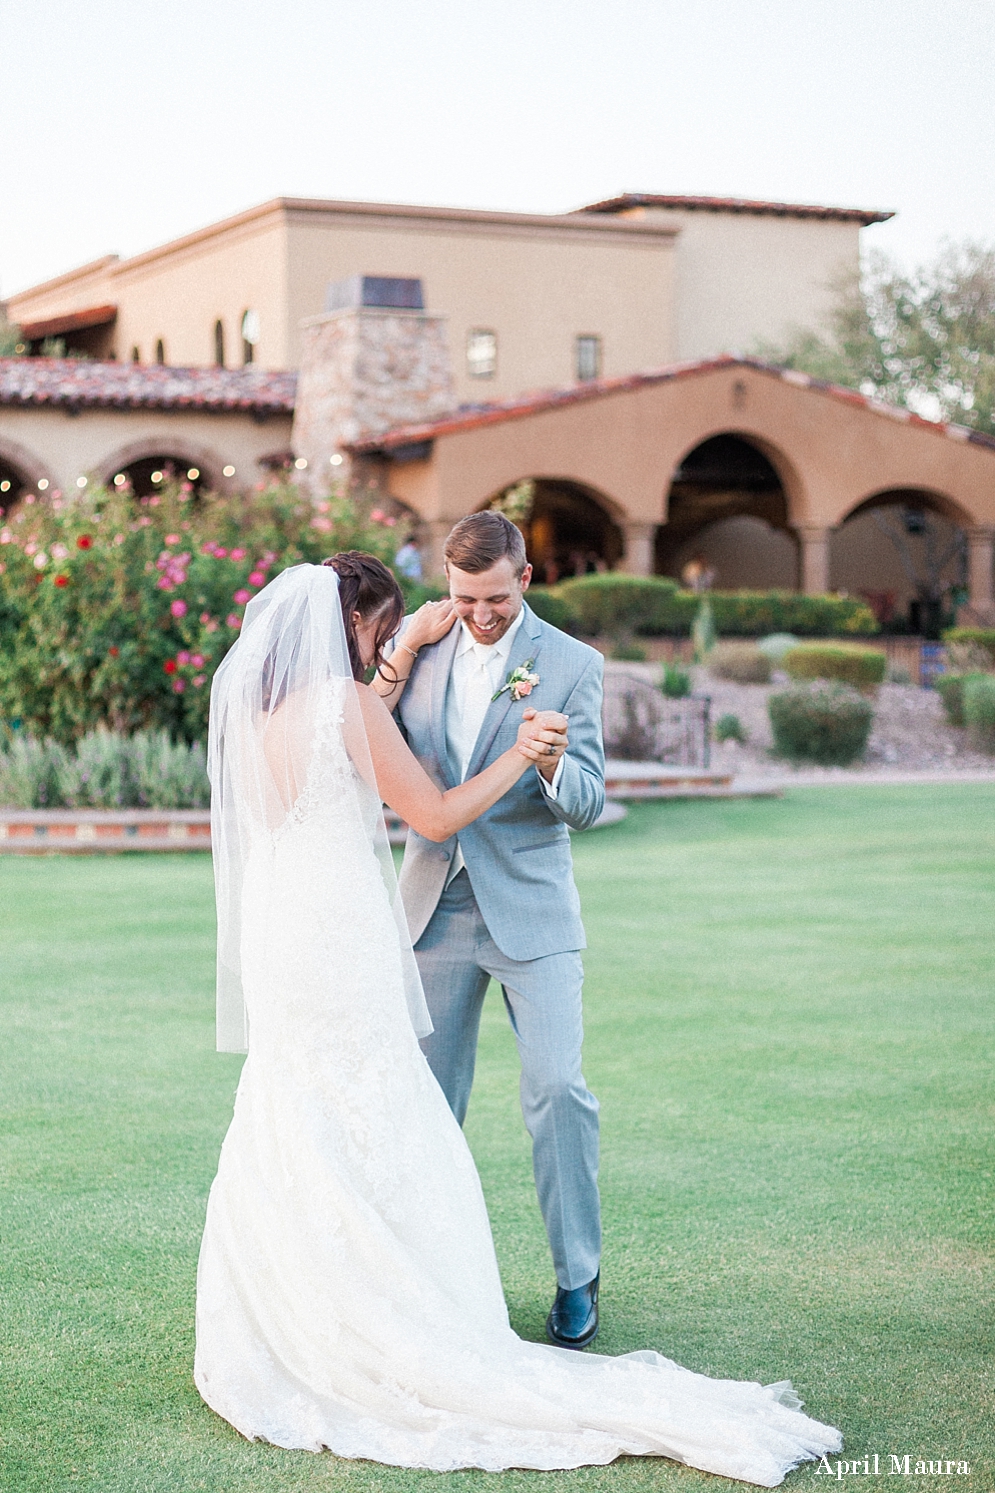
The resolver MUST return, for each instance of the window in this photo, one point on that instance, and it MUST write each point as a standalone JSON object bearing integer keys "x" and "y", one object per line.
{"x": 481, "y": 354}
{"x": 250, "y": 335}
{"x": 219, "y": 344}
{"x": 588, "y": 357}
{"x": 160, "y": 352}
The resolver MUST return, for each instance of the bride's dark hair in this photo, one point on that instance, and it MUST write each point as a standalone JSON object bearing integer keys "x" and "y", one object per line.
{"x": 366, "y": 586}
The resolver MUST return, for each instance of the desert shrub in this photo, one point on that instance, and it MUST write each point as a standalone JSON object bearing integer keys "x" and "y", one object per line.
{"x": 629, "y": 653}
{"x": 617, "y": 604}
{"x": 824, "y": 721}
{"x": 848, "y": 662}
{"x": 979, "y": 711}
{"x": 742, "y": 662}
{"x": 32, "y": 773}
{"x": 676, "y": 681}
{"x": 776, "y": 644}
{"x": 116, "y": 612}
{"x": 977, "y": 637}
{"x": 552, "y": 608}
{"x": 969, "y": 658}
{"x": 950, "y": 688}
{"x": 730, "y": 728}
{"x": 105, "y": 770}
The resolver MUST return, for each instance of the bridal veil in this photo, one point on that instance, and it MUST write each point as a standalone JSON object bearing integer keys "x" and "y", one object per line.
{"x": 267, "y": 705}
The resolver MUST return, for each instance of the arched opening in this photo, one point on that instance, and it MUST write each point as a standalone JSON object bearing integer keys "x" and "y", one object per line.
{"x": 160, "y": 351}
{"x": 219, "y": 344}
{"x": 149, "y": 474}
{"x": 568, "y": 528}
{"x": 905, "y": 553}
{"x": 727, "y": 520}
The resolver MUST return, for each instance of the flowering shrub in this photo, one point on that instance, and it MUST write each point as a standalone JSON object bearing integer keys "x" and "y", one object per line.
{"x": 116, "y": 612}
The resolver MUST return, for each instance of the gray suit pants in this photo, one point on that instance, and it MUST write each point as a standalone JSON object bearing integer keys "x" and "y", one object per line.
{"x": 457, "y": 958}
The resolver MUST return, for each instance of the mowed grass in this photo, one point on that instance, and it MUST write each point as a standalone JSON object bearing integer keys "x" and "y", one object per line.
{"x": 789, "y": 1026}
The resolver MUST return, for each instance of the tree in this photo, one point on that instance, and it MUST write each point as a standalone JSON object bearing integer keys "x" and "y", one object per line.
{"x": 10, "y": 336}
{"x": 924, "y": 340}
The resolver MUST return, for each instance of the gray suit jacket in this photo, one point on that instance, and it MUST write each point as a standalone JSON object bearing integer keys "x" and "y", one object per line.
{"x": 517, "y": 854}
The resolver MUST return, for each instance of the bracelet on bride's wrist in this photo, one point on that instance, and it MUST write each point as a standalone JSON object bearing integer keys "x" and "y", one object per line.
{"x": 412, "y": 651}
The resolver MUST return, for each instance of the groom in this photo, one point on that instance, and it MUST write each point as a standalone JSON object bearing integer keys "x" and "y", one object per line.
{"x": 498, "y": 900}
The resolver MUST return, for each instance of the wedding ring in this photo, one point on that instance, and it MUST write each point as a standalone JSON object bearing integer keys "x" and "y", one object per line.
{"x": 551, "y": 750}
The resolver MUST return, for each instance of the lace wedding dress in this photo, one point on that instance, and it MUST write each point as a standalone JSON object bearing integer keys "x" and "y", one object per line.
{"x": 348, "y": 1295}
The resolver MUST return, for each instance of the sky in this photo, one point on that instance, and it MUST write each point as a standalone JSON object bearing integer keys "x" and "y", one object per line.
{"x": 125, "y": 123}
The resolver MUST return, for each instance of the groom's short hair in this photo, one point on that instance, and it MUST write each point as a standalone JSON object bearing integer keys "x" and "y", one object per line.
{"x": 482, "y": 539}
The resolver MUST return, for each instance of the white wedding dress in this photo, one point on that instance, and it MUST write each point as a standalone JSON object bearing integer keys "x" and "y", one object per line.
{"x": 348, "y": 1295}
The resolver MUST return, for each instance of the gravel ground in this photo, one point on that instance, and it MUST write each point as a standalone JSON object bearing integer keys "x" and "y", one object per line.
{"x": 910, "y": 731}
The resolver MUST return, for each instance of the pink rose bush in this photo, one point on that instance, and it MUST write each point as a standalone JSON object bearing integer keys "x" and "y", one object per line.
{"x": 115, "y": 612}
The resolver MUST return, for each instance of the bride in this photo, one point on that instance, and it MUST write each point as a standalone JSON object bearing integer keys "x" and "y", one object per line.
{"x": 348, "y": 1295}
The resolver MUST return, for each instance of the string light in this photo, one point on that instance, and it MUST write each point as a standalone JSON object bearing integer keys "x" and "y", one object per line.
{"x": 120, "y": 480}
{"x": 228, "y": 471}
{"x": 300, "y": 463}
{"x": 335, "y": 460}
{"x": 193, "y": 473}
{"x": 80, "y": 481}
{"x": 156, "y": 476}
{"x": 43, "y": 485}
{"x": 4, "y": 486}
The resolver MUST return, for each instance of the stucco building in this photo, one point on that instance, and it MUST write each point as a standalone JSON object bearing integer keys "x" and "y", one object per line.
{"x": 447, "y": 356}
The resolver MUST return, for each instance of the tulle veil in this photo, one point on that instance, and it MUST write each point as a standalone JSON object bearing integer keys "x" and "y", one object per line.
{"x": 267, "y": 700}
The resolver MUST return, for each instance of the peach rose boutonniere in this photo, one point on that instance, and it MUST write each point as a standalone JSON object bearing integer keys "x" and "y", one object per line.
{"x": 519, "y": 683}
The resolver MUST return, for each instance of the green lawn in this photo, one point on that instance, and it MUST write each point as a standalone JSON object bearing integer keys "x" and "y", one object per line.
{"x": 790, "y": 1030}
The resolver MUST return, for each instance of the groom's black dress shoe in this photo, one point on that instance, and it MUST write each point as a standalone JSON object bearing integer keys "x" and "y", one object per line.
{"x": 573, "y": 1320}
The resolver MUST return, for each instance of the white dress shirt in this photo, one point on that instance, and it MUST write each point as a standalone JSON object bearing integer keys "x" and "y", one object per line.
{"x": 478, "y": 672}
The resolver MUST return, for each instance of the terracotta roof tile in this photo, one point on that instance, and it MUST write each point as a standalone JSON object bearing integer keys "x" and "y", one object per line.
{"x": 73, "y": 383}
{"x": 476, "y": 416}
{"x": 628, "y": 200}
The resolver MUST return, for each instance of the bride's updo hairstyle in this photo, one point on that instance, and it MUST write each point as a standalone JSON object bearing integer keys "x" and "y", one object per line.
{"x": 366, "y": 586}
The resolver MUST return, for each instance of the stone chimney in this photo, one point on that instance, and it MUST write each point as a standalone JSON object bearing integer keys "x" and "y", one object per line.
{"x": 375, "y": 359}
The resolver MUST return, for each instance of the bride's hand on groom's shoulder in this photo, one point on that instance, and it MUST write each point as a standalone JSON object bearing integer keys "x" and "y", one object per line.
{"x": 430, "y": 623}
{"x": 542, "y": 736}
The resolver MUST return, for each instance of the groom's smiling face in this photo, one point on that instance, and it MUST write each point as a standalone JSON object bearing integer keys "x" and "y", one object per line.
{"x": 488, "y": 601}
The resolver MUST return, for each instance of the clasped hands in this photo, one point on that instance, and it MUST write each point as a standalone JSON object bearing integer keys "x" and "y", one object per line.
{"x": 542, "y": 738}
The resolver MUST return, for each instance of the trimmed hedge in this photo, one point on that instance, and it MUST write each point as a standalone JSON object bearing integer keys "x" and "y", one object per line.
{"x": 825, "y": 722}
{"x": 979, "y": 711}
{"x": 848, "y": 662}
{"x": 655, "y": 606}
{"x": 981, "y": 637}
{"x": 551, "y": 607}
{"x": 615, "y": 602}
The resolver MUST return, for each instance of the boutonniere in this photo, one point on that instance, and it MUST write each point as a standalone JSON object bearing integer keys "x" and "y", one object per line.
{"x": 519, "y": 683}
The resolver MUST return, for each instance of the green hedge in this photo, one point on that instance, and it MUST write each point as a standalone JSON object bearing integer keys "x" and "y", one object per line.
{"x": 552, "y": 608}
{"x": 981, "y": 637}
{"x": 615, "y": 602}
{"x": 847, "y": 662}
{"x": 825, "y": 722}
{"x": 950, "y": 688}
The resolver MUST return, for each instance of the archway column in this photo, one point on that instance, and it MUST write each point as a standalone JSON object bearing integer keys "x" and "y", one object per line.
{"x": 814, "y": 541}
{"x": 637, "y": 555}
{"x": 980, "y": 553}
